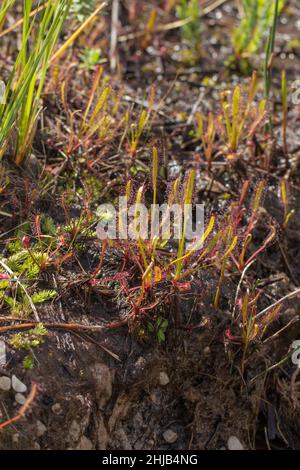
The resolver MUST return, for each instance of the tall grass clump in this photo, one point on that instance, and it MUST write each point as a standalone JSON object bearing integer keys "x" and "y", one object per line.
{"x": 22, "y": 100}
{"x": 189, "y": 12}
{"x": 257, "y": 19}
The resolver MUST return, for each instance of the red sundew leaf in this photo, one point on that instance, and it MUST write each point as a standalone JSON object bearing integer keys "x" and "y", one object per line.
{"x": 4, "y": 276}
{"x": 232, "y": 338}
{"x": 25, "y": 241}
{"x": 117, "y": 277}
{"x": 183, "y": 286}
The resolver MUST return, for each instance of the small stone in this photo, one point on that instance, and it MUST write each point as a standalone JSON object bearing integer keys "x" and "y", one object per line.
{"x": 40, "y": 428}
{"x": 5, "y": 383}
{"x": 206, "y": 351}
{"x": 154, "y": 397}
{"x": 16, "y": 438}
{"x": 138, "y": 421}
{"x": 103, "y": 379}
{"x": 84, "y": 444}
{"x": 17, "y": 385}
{"x": 192, "y": 394}
{"x": 140, "y": 363}
{"x": 56, "y": 409}
{"x": 121, "y": 437}
{"x": 102, "y": 434}
{"x": 170, "y": 436}
{"x": 163, "y": 379}
{"x": 234, "y": 443}
{"x": 20, "y": 398}
{"x": 74, "y": 432}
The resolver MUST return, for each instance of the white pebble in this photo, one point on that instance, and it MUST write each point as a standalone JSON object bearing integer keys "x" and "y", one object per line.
{"x": 234, "y": 443}
{"x": 17, "y": 385}
{"x": 170, "y": 436}
{"x": 20, "y": 398}
{"x": 40, "y": 428}
{"x": 163, "y": 379}
{"x": 5, "y": 383}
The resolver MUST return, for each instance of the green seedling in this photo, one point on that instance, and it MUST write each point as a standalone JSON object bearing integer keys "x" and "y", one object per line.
{"x": 28, "y": 341}
{"x": 99, "y": 119}
{"x": 82, "y": 9}
{"x": 246, "y": 237}
{"x": 190, "y": 10}
{"x": 207, "y": 136}
{"x": 90, "y": 58}
{"x": 160, "y": 327}
{"x": 287, "y": 213}
{"x": 252, "y": 325}
{"x": 21, "y": 270}
{"x": 258, "y": 17}
{"x": 240, "y": 117}
{"x": 187, "y": 200}
{"x": 135, "y": 130}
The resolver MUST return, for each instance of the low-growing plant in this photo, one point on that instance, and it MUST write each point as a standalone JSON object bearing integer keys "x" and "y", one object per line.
{"x": 18, "y": 273}
{"x": 134, "y": 130}
{"x": 253, "y": 326}
{"x": 238, "y": 213}
{"x": 98, "y": 123}
{"x": 191, "y": 30}
{"x": 287, "y": 212}
{"x": 82, "y": 9}
{"x": 27, "y": 258}
{"x": 207, "y": 136}
{"x": 257, "y": 19}
{"x": 240, "y": 117}
{"x": 224, "y": 245}
{"x": 28, "y": 341}
{"x": 91, "y": 57}
{"x": 159, "y": 328}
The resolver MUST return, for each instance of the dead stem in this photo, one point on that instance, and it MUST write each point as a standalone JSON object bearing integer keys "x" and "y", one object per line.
{"x": 114, "y": 35}
{"x": 62, "y": 326}
{"x": 286, "y": 297}
{"x": 23, "y": 408}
